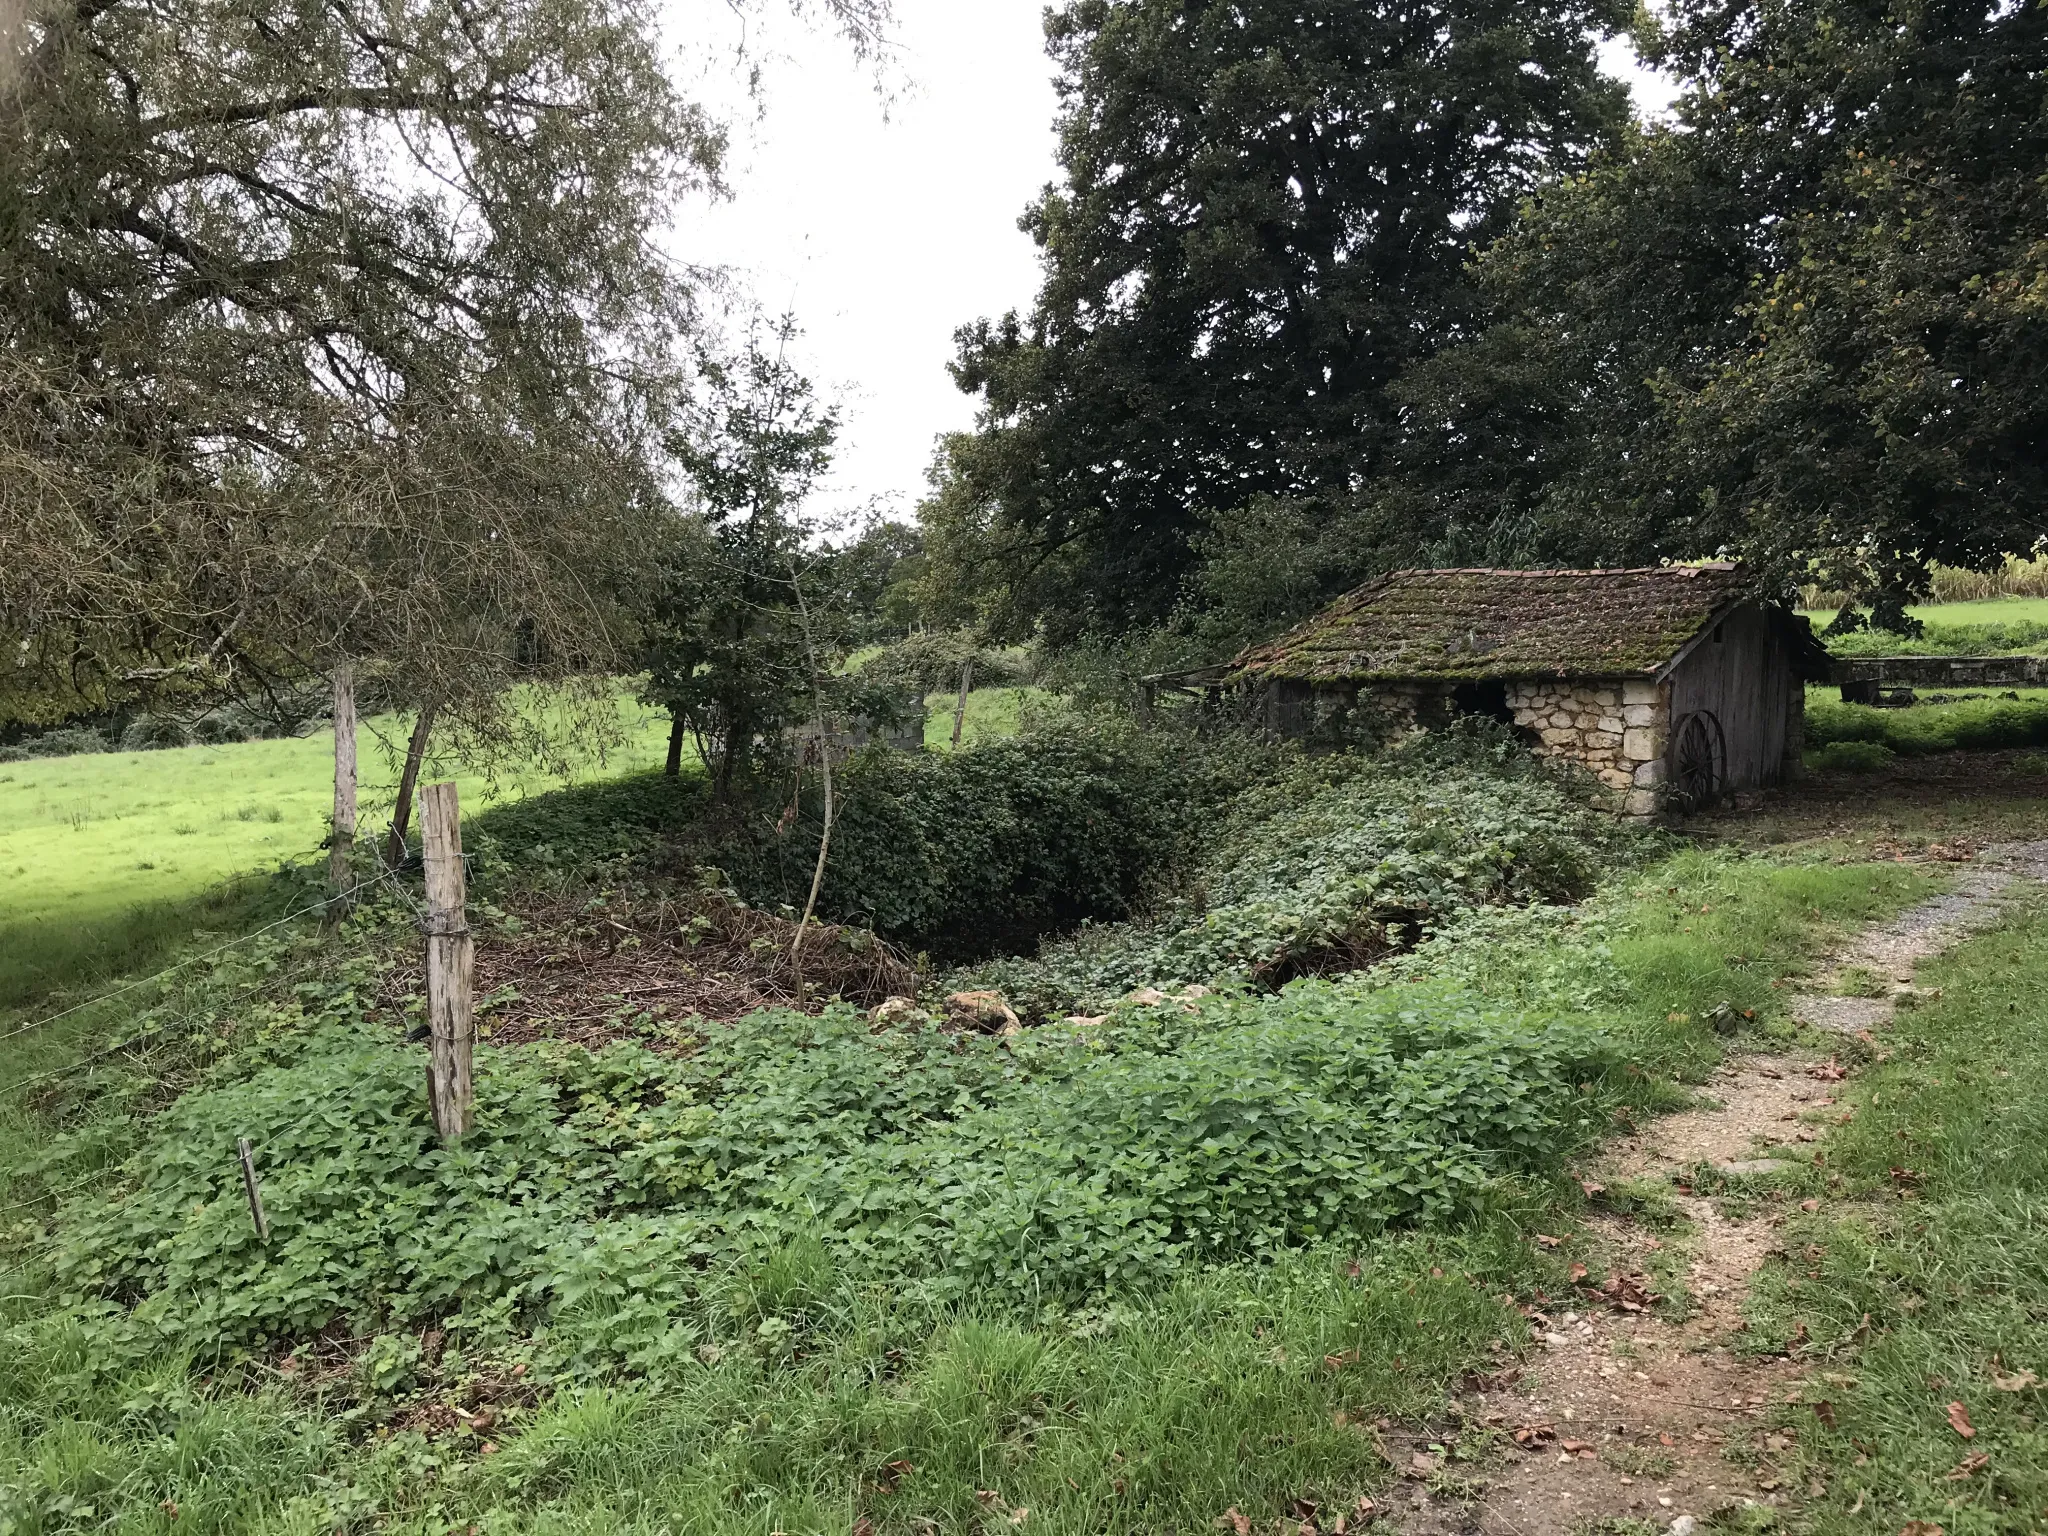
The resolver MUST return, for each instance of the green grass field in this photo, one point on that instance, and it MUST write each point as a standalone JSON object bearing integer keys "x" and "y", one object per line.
{"x": 99, "y": 853}
{"x": 1991, "y": 610}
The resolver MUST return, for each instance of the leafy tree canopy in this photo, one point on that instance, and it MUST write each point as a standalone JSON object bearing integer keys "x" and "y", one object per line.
{"x": 1263, "y": 221}
{"x": 1805, "y": 324}
{"x": 333, "y": 330}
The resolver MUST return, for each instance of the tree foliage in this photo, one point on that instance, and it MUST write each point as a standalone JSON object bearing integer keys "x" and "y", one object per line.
{"x": 1804, "y": 324}
{"x": 1263, "y": 220}
{"x": 329, "y": 330}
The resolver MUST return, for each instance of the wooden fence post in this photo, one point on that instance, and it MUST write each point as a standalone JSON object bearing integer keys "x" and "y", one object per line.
{"x": 340, "y": 854}
{"x": 253, "y": 1189}
{"x": 451, "y": 1020}
{"x": 960, "y": 709}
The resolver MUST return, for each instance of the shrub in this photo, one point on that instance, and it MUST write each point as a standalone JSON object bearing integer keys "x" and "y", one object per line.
{"x": 1976, "y": 724}
{"x": 1853, "y": 757}
{"x": 147, "y": 733}
{"x": 985, "y": 850}
{"x": 68, "y": 741}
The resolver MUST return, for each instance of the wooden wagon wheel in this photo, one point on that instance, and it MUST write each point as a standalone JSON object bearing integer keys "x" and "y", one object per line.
{"x": 1698, "y": 760}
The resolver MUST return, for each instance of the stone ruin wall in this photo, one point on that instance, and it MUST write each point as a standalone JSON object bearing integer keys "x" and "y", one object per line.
{"x": 1616, "y": 729}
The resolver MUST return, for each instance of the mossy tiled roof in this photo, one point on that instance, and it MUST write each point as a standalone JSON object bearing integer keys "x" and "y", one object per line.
{"x": 1458, "y": 626}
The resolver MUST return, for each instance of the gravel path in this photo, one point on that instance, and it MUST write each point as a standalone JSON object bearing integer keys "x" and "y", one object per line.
{"x": 1650, "y": 1415}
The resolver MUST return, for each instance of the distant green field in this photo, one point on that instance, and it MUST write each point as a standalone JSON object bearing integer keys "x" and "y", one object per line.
{"x": 98, "y": 848}
{"x": 100, "y": 854}
{"x": 1992, "y": 610}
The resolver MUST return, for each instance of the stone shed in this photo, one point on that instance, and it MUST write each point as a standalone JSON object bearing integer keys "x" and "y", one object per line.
{"x": 1674, "y": 685}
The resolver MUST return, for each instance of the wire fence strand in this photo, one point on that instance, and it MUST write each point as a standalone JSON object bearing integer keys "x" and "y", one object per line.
{"x": 189, "y": 960}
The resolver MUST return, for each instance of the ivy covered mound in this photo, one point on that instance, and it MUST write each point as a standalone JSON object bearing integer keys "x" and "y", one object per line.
{"x": 607, "y": 1198}
{"x": 1334, "y": 863}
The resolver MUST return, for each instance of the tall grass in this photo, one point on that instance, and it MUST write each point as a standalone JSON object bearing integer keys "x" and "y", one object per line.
{"x": 2016, "y": 578}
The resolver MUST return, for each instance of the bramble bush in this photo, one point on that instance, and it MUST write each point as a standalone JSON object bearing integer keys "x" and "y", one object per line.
{"x": 961, "y": 854}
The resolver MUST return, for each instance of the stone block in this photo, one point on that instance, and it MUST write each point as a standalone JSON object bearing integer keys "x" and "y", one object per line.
{"x": 1639, "y": 714}
{"x": 1561, "y": 719}
{"x": 1648, "y": 775}
{"x": 1559, "y": 736}
{"x": 1615, "y": 725}
{"x": 1638, "y": 693}
{"x": 1605, "y": 741}
{"x": 1616, "y": 778}
{"x": 1640, "y": 802}
{"x": 1640, "y": 744}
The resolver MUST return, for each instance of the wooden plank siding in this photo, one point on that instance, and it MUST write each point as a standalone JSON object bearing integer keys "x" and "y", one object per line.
{"x": 1744, "y": 671}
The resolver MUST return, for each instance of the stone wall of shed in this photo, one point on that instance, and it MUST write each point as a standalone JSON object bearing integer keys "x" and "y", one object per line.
{"x": 1615, "y": 729}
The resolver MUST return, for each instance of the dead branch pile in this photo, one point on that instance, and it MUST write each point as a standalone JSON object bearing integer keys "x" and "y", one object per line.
{"x": 583, "y": 969}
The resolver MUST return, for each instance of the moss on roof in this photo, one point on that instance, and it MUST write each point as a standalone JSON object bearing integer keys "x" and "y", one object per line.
{"x": 1458, "y": 626}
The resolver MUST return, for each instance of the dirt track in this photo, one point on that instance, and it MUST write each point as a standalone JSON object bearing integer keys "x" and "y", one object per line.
{"x": 1655, "y": 1414}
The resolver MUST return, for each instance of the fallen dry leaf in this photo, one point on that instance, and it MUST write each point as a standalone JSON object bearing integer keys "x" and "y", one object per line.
{"x": 2018, "y": 1381}
{"x": 863, "y": 1527}
{"x": 892, "y": 1473}
{"x": 1592, "y": 1187}
{"x": 1628, "y": 1293}
{"x": 1231, "y": 1519}
{"x": 1959, "y": 1421}
{"x": 1809, "y": 1205}
{"x": 1968, "y": 1467}
{"x": 1421, "y": 1465}
{"x": 1825, "y": 1412}
{"x": 1578, "y": 1272}
{"x": 1829, "y": 1071}
{"x": 1531, "y": 1437}
{"x": 1921, "y": 1528}
{"x": 1574, "y": 1446}
{"x": 1547, "y": 1241}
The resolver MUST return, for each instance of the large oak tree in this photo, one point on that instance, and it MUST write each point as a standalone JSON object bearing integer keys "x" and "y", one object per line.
{"x": 1264, "y": 219}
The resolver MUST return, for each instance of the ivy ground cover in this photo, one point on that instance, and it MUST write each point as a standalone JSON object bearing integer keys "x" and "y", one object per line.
{"x": 798, "y": 1275}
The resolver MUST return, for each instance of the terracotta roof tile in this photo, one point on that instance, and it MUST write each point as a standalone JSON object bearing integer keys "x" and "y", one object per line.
{"x": 1465, "y": 625}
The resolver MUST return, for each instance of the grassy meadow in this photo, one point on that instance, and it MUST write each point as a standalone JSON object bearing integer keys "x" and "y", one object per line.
{"x": 811, "y": 1378}
{"x": 102, "y": 855}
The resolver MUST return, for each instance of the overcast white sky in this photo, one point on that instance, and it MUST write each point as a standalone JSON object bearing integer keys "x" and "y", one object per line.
{"x": 883, "y": 227}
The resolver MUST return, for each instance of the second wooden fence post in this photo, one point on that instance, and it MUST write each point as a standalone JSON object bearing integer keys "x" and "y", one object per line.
{"x": 451, "y": 1020}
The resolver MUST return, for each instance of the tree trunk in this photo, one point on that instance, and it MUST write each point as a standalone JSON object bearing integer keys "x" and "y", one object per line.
{"x": 401, "y": 813}
{"x": 341, "y": 849}
{"x": 674, "y": 766}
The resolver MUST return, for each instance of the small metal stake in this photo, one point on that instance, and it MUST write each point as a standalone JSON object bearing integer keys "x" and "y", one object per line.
{"x": 255, "y": 1192}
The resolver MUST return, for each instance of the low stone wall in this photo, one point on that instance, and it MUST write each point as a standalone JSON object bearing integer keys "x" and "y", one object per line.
{"x": 1616, "y": 729}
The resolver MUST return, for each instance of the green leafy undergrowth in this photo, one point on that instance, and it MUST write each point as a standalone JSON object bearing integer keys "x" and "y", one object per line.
{"x": 1336, "y": 863}
{"x": 2013, "y": 637}
{"x": 1921, "y": 1280}
{"x": 805, "y": 1274}
{"x": 1974, "y": 724}
{"x": 1059, "y": 1165}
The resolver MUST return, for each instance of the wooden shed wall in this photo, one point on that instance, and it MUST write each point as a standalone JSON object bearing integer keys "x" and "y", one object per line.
{"x": 1743, "y": 672}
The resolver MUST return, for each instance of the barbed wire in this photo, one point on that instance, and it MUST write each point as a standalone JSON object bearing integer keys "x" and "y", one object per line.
{"x": 178, "y": 965}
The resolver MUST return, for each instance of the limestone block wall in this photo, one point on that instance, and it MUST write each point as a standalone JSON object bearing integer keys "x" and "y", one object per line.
{"x": 1616, "y": 729}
